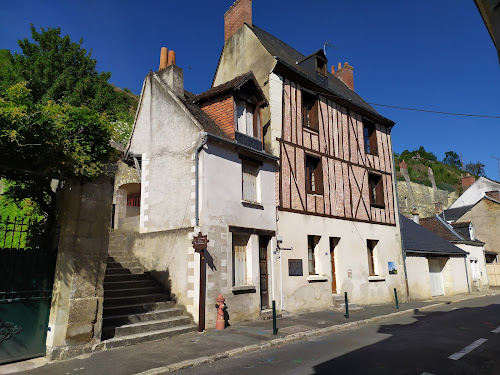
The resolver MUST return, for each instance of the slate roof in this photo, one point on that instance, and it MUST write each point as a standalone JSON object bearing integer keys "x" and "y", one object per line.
{"x": 230, "y": 86}
{"x": 291, "y": 56}
{"x": 417, "y": 239}
{"x": 462, "y": 228}
{"x": 452, "y": 214}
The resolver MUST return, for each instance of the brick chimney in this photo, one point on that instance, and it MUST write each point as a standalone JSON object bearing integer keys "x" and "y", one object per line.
{"x": 495, "y": 194}
{"x": 170, "y": 73}
{"x": 403, "y": 165}
{"x": 467, "y": 181}
{"x": 344, "y": 73}
{"x": 238, "y": 14}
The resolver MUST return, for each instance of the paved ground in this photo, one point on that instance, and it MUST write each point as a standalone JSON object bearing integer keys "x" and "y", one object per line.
{"x": 190, "y": 347}
{"x": 417, "y": 344}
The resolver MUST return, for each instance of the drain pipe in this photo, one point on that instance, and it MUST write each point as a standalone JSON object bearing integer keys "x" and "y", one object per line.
{"x": 467, "y": 272}
{"x": 196, "y": 176}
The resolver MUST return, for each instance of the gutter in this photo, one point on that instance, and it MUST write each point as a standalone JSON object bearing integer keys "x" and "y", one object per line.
{"x": 196, "y": 176}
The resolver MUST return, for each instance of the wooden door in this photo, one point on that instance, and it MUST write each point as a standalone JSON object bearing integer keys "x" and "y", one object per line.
{"x": 333, "y": 244}
{"x": 436, "y": 277}
{"x": 264, "y": 274}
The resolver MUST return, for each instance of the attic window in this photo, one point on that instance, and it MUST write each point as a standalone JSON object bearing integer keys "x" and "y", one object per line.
{"x": 321, "y": 66}
{"x": 309, "y": 111}
{"x": 247, "y": 118}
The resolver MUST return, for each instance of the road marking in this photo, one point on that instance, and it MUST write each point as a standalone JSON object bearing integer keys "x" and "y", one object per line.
{"x": 467, "y": 349}
{"x": 496, "y": 330}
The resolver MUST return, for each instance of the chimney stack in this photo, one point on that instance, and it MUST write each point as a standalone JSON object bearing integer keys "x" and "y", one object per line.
{"x": 238, "y": 14}
{"x": 403, "y": 165}
{"x": 170, "y": 73}
{"x": 495, "y": 194}
{"x": 467, "y": 181}
{"x": 345, "y": 74}
{"x": 416, "y": 216}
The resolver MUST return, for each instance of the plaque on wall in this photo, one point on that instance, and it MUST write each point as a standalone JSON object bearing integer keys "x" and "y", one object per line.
{"x": 295, "y": 267}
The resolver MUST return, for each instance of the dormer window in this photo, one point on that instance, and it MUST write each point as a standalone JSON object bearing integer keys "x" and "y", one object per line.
{"x": 321, "y": 66}
{"x": 309, "y": 111}
{"x": 247, "y": 118}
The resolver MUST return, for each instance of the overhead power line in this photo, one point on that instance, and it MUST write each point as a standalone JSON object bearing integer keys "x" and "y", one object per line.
{"x": 429, "y": 111}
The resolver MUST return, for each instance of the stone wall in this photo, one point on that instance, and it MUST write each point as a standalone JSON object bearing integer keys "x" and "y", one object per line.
{"x": 423, "y": 198}
{"x": 84, "y": 213}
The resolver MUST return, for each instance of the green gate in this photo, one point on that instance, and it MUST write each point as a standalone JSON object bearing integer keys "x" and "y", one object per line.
{"x": 27, "y": 264}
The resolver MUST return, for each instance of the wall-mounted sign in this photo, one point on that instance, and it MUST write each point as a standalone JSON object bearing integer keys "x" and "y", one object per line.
{"x": 295, "y": 267}
{"x": 392, "y": 268}
{"x": 200, "y": 242}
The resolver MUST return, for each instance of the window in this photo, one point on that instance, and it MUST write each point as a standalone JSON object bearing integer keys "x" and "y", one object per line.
{"x": 370, "y": 137}
{"x": 376, "y": 189}
{"x": 240, "y": 242}
{"x": 312, "y": 242}
{"x": 372, "y": 257}
{"x": 321, "y": 66}
{"x": 314, "y": 175}
{"x": 309, "y": 111}
{"x": 249, "y": 181}
{"x": 247, "y": 118}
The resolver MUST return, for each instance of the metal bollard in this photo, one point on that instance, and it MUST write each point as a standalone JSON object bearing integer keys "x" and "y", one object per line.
{"x": 275, "y": 330}
{"x": 396, "y": 295}
{"x": 346, "y": 306}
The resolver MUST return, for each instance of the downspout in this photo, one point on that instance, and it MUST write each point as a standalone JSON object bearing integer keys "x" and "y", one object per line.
{"x": 467, "y": 272}
{"x": 196, "y": 175}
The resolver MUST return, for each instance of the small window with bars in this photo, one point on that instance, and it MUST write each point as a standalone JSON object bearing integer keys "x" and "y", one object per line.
{"x": 250, "y": 181}
{"x": 314, "y": 175}
{"x": 312, "y": 242}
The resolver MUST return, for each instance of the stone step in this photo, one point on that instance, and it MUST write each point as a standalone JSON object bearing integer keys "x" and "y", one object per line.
{"x": 155, "y": 325}
{"x": 124, "y": 271}
{"x": 120, "y": 254}
{"x": 118, "y": 320}
{"x": 121, "y": 258}
{"x": 140, "y": 291}
{"x": 133, "y": 300}
{"x": 133, "y": 284}
{"x": 128, "y": 264}
{"x": 136, "y": 308}
{"x": 126, "y": 277}
{"x": 118, "y": 342}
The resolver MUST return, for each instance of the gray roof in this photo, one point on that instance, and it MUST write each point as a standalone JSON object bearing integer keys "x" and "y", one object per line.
{"x": 452, "y": 214}
{"x": 417, "y": 239}
{"x": 291, "y": 57}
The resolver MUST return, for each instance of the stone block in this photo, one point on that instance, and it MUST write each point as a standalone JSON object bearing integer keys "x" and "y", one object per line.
{"x": 83, "y": 310}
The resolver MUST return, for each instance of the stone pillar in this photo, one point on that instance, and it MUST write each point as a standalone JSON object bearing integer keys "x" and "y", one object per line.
{"x": 84, "y": 213}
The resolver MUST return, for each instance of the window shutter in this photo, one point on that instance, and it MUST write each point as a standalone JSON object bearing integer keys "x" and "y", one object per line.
{"x": 318, "y": 174}
{"x": 373, "y": 142}
{"x": 380, "y": 191}
{"x": 249, "y": 182}
{"x": 314, "y": 116}
{"x": 256, "y": 122}
{"x": 239, "y": 259}
{"x": 240, "y": 116}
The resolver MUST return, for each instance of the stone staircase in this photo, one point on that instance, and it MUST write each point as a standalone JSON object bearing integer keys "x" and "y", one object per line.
{"x": 339, "y": 304}
{"x": 136, "y": 307}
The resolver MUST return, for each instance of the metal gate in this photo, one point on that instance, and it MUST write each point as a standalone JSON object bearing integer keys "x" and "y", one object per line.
{"x": 27, "y": 265}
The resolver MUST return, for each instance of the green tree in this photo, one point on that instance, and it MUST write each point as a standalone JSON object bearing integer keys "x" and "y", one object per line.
{"x": 452, "y": 158}
{"x": 476, "y": 169}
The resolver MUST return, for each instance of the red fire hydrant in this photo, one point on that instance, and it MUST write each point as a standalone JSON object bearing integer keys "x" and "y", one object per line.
{"x": 220, "y": 323}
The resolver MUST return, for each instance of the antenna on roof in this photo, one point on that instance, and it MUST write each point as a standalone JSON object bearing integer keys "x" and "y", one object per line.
{"x": 327, "y": 44}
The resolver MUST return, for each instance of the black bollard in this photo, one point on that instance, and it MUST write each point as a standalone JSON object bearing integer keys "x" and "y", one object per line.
{"x": 346, "y": 306}
{"x": 275, "y": 330}
{"x": 396, "y": 295}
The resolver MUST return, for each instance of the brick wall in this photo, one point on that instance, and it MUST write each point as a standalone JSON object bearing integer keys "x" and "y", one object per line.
{"x": 239, "y": 13}
{"x": 222, "y": 112}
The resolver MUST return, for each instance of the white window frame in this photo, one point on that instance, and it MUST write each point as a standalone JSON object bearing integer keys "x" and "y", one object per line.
{"x": 245, "y": 115}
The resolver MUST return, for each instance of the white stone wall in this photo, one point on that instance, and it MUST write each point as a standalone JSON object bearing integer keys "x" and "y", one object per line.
{"x": 475, "y": 192}
{"x": 476, "y": 253}
{"x": 352, "y": 272}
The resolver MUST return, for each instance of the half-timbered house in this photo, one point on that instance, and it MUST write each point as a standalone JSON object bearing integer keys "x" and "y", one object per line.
{"x": 337, "y": 226}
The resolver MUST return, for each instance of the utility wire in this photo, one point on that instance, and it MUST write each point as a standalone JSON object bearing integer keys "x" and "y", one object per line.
{"x": 429, "y": 111}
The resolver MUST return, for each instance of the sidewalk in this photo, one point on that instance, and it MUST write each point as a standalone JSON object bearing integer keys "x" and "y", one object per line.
{"x": 196, "y": 348}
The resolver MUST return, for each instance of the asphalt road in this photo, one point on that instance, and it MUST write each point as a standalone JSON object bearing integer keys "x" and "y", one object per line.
{"x": 418, "y": 344}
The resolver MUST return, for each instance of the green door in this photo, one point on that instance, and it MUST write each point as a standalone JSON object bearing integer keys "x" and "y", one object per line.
{"x": 26, "y": 277}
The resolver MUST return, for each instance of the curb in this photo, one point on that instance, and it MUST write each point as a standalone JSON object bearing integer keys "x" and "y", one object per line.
{"x": 292, "y": 338}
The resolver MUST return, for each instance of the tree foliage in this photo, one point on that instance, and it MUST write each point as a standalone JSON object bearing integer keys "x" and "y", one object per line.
{"x": 57, "y": 116}
{"x": 452, "y": 158}
{"x": 420, "y": 153}
{"x": 477, "y": 169}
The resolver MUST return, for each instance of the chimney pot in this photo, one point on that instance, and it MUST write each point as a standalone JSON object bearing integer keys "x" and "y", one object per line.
{"x": 171, "y": 58}
{"x": 340, "y": 66}
{"x": 345, "y": 74}
{"x": 163, "y": 58}
{"x": 333, "y": 69}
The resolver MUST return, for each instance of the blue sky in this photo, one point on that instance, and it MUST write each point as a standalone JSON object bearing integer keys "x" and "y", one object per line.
{"x": 434, "y": 55}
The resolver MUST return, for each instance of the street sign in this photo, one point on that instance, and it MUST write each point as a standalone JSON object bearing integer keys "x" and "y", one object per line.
{"x": 200, "y": 242}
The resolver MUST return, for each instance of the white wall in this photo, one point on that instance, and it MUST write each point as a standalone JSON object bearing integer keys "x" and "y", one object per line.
{"x": 476, "y": 253}
{"x": 352, "y": 272}
{"x": 475, "y": 192}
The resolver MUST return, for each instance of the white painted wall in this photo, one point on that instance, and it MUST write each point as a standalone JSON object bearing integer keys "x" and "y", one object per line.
{"x": 475, "y": 192}
{"x": 476, "y": 253}
{"x": 303, "y": 293}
